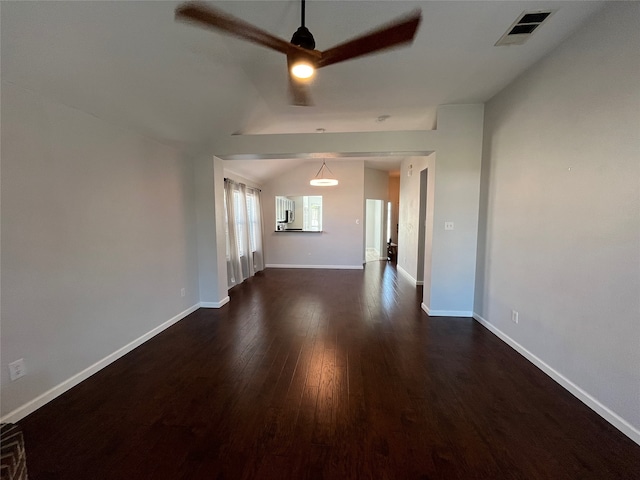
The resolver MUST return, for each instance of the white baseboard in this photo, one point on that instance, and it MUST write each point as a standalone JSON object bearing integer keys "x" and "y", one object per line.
{"x": 32, "y": 405}
{"x": 219, "y": 304}
{"x": 406, "y": 274}
{"x": 328, "y": 267}
{"x": 446, "y": 313}
{"x": 610, "y": 416}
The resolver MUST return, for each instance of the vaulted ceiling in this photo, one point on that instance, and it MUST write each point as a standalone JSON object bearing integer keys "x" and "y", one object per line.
{"x": 131, "y": 63}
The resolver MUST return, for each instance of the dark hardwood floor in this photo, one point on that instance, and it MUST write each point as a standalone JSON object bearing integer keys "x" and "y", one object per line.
{"x": 323, "y": 374}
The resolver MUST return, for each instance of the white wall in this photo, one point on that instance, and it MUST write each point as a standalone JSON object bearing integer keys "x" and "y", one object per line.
{"x": 341, "y": 244}
{"x": 98, "y": 239}
{"x": 560, "y": 215}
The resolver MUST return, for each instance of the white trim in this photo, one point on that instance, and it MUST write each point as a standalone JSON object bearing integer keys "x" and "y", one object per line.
{"x": 406, "y": 274}
{"x": 329, "y": 267}
{"x": 610, "y": 416}
{"x": 219, "y": 304}
{"x": 32, "y": 405}
{"x": 446, "y": 313}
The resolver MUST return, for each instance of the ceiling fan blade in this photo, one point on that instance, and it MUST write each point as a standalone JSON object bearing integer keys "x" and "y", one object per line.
{"x": 298, "y": 89}
{"x": 400, "y": 31}
{"x": 211, "y": 17}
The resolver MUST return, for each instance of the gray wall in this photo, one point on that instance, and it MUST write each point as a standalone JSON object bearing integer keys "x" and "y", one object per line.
{"x": 211, "y": 233}
{"x": 458, "y": 146}
{"x": 98, "y": 239}
{"x": 409, "y": 220}
{"x": 101, "y": 229}
{"x": 560, "y": 215}
{"x": 416, "y": 267}
{"x": 376, "y": 184}
{"x": 341, "y": 244}
{"x": 455, "y": 184}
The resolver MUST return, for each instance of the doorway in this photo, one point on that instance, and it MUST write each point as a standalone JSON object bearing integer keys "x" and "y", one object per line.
{"x": 422, "y": 223}
{"x": 374, "y": 236}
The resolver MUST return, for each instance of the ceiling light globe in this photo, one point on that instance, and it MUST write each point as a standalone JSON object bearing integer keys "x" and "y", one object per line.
{"x": 302, "y": 70}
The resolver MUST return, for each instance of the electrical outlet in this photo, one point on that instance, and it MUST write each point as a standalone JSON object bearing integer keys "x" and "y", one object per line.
{"x": 16, "y": 369}
{"x": 448, "y": 225}
{"x": 514, "y": 316}
{"x": 183, "y": 292}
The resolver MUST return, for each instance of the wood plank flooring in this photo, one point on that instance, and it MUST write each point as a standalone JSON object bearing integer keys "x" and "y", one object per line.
{"x": 323, "y": 374}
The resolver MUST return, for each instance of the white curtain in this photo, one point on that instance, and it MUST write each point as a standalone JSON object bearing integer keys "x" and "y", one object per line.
{"x": 243, "y": 215}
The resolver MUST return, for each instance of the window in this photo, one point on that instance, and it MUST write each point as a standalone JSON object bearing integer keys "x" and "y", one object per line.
{"x": 244, "y": 231}
{"x": 253, "y": 221}
{"x": 240, "y": 221}
{"x": 312, "y": 206}
{"x": 226, "y": 228}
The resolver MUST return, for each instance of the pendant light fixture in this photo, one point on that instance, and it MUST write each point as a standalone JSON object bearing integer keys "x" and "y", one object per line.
{"x": 322, "y": 179}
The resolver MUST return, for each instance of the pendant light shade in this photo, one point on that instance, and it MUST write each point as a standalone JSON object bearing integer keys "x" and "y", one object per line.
{"x": 322, "y": 178}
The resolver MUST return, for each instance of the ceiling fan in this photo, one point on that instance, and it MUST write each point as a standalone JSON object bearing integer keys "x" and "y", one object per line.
{"x": 302, "y": 58}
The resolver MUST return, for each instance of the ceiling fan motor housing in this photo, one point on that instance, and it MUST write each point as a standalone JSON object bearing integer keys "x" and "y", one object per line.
{"x": 303, "y": 38}
{"x": 302, "y": 57}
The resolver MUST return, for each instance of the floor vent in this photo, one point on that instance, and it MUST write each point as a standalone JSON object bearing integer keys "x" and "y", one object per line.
{"x": 524, "y": 26}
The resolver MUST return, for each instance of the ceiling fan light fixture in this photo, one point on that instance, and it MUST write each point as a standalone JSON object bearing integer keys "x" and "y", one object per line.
{"x": 302, "y": 69}
{"x": 398, "y": 32}
{"x": 320, "y": 180}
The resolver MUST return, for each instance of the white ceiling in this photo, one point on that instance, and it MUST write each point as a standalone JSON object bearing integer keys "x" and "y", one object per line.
{"x": 132, "y": 64}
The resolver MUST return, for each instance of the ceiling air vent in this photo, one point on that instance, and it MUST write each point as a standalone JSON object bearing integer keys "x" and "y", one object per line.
{"x": 520, "y": 30}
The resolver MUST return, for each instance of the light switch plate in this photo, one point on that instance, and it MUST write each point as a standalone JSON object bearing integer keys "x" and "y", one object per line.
{"x": 16, "y": 369}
